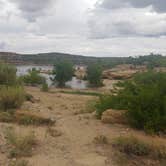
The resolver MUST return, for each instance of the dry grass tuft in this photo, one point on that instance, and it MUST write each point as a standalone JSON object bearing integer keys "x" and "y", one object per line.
{"x": 19, "y": 163}
{"x": 19, "y": 145}
{"x": 53, "y": 132}
{"x": 25, "y": 118}
{"x": 29, "y": 118}
{"x": 101, "y": 139}
{"x": 130, "y": 146}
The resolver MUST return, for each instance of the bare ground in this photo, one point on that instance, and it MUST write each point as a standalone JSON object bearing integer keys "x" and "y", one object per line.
{"x": 74, "y": 146}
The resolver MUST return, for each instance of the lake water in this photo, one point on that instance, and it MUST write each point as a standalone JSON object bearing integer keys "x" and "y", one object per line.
{"x": 74, "y": 83}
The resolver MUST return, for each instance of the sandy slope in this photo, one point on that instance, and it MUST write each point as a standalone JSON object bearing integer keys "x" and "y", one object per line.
{"x": 75, "y": 146}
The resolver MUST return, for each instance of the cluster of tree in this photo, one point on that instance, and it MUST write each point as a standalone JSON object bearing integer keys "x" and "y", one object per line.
{"x": 152, "y": 60}
{"x": 64, "y": 72}
{"x": 145, "y": 99}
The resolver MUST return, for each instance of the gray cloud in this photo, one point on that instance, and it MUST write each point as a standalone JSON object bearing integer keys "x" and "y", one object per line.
{"x": 158, "y": 5}
{"x": 110, "y": 28}
{"x": 32, "y": 9}
{"x": 3, "y": 45}
{"x": 126, "y": 21}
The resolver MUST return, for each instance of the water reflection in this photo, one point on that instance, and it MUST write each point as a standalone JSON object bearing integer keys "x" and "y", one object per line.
{"x": 74, "y": 83}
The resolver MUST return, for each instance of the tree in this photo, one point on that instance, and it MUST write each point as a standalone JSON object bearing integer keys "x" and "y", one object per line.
{"x": 94, "y": 75}
{"x": 63, "y": 72}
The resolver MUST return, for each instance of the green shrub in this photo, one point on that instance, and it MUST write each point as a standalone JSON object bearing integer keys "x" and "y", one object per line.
{"x": 33, "y": 78}
{"x": 94, "y": 75}
{"x": 7, "y": 74}
{"x": 145, "y": 99}
{"x": 11, "y": 97}
{"x": 63, "y": 72}
{"x": 45, "y": 87}
{"x": 107, "y": 101}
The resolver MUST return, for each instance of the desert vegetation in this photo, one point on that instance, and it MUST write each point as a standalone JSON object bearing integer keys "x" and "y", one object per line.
{"x": 64, "y": 120}
{"x": 132, "y": 147}
{"x": 33, "y": 78}
{"x": 63, "y": 72}
{"x": 143, "y": 97}
{"x": 20, "y": 146}
{"x": 94, "y": 75}
{"x": 11, "y": 91}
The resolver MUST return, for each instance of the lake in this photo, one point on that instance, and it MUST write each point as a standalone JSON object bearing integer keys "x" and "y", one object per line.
{"x": 74, "y": 83}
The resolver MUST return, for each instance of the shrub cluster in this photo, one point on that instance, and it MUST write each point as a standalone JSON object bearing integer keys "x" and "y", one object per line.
{"x": 11, "y": 97}
{"x": 94, "y": 75}
{"x": 33, "y": 78}
{"x": 63, "y": 72}
{"x": 145, "y": 99}
{"x": 11, "y": 91}
{"x": 131, "y": 145}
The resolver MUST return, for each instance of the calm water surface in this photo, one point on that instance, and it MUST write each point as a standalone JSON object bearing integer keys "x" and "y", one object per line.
{"x": 74, "y": 83}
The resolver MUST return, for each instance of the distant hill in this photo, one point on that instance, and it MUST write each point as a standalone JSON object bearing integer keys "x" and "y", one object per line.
{"x": 151, "y": 60}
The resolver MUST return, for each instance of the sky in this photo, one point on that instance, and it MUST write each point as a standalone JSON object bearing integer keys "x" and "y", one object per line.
{"x": 84, "y": 27}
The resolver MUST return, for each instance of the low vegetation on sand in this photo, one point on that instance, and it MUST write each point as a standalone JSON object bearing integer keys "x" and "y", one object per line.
{"x": 132, "y": 146}
{"x": 19, "y": 145}
{"x": 18, "y": 163}
{"x": 25, "y": 118}
{"x": 144, "y": 98}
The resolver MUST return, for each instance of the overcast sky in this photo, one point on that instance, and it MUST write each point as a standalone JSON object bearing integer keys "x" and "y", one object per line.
{"x": 86, "y": 27}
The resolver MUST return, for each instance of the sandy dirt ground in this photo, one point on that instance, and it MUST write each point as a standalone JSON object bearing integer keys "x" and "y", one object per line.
{"x": 75, "y": 146}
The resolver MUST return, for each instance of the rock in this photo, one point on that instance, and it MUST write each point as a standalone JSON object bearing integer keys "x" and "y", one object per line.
{"x": 114, "y": 116}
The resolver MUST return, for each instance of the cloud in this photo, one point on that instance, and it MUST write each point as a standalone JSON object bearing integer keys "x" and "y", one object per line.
{"x": 126, "y": 22}
{"x": 32, "y": 9}
{"x": 109, "y": 28}
{"x": 3, "y": 45}
{"x": 158, "y": 5}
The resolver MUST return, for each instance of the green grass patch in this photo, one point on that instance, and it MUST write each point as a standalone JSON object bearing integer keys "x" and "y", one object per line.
{"x": 81, "y": 93}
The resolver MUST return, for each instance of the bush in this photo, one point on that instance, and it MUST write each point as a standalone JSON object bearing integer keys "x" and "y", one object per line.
{"x": 7, "y": 74}
{"x": 94, "y": 75}
{"x": 145, "y": 99}
{"x": 33, "y": 78}
{"x": 45, "y": 87}
{"x": 133, "y": 146}
{"x": 20, "y": 146}
{"x": 63, "y": 72}
{"x": 11, "y": 97}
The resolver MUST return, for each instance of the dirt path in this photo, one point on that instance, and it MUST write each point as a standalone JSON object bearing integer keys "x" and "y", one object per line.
{"x": 74, "y": 146}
